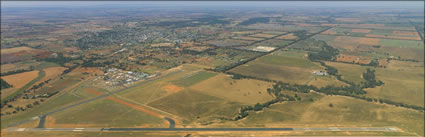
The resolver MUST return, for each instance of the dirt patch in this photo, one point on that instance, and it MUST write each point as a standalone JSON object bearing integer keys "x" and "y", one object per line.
{"x": 360, "y": 30}
{"x": 383, "y": 62}
{"x": 19, "y": 80}
{"x": 369, "y": 41}
{"x": 172, "y": 88}
{"x": 51, "y": 123}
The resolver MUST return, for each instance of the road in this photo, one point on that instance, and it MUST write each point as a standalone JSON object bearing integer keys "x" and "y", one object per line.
{"x": 42, "y": 117}
{"x": 383, "y": 129}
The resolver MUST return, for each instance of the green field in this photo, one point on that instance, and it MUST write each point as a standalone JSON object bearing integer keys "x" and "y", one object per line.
{"x": 419, "y": 45}
{"x": 287, "y": 66}
{"x": 350, "y": 72}
{"x": 195, "y": 78}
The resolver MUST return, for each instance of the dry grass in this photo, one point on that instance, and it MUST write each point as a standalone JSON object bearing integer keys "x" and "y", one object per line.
{"x": 19, "y": 80}
{"x": 262, "y": 35}
{"x": 289, "y": 36}
{"x": 17, "y": 49}
{"x": 245, "y": 91}
{"x": 369, "y": 41}
{"x": 360, "y": 30}
{"x": 250, "y": 38}
{"x": 52, "y": 73}
{"x": 409, "y": 33}
{"x": 329, "y": 32}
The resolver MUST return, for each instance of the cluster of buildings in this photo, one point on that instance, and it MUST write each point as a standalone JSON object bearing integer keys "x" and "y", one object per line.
{"x": 114, "y": 76}
{"x": 320, "y": 73}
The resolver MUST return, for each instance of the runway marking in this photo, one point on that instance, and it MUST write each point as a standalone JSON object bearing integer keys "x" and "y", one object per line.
{"x": 77, "y": 130}
{"x": 20, "y": 129}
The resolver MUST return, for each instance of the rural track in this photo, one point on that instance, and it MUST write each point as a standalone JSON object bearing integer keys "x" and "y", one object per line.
{"x": 364, "y": 129}
{"x": 43, "y": 116}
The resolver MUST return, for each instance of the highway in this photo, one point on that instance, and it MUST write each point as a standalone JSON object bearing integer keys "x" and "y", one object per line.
{"x": 382, "y": 129}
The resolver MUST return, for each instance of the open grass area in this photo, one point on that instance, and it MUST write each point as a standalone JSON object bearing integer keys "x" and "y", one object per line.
{"x": 55, "y": 102}
{"x": 402, "y": 43}
{"x": 403, "y": 83}
{"x": 196, "y": 106}
{"x": 286, "y": 66}
{"x": 350, "y": 72}
{"x": 194, "y": 78}
{"x": 288, "y": 61}
{"x": 345, "y": 112}
{"x": 103, "y": 113}
{"x": 245, "y": 91}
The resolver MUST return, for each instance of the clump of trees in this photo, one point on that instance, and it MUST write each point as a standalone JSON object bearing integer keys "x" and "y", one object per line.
{"x": 371, "y": 82}
{"x": 4, "y": 84}
{"x": 327, "y": 52}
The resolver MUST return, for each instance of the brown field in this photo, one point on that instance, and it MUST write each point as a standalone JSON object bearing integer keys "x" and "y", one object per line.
{"x": 393, "y": 37}
{"x": 262, "y": 35}
{"x": 172, "y": 88}
{"x": 329, "y": 32}
{"x": 396, "y": 32}
{"x": 250, "y": 38}
{"x": 360, "y": 30}
{"x": 289, "y": 36}
{"x": 369, "y": 41}
{"x": 247, "y": 91}
{"x": 353, "y": 59}
{"x": 52, "y": 73}
{"x": 198, "y": 48}
{"x": 17, "y": 49}
{"x": 19, "y": 80}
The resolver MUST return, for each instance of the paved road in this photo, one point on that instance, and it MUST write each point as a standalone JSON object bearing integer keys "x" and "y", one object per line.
{"x": 171, "y": 121}
{"x": 41, "y": 124}
{"x": 384, "y": 129}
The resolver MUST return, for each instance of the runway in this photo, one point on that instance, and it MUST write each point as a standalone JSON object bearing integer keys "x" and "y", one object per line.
{"x": 384, "y": 129}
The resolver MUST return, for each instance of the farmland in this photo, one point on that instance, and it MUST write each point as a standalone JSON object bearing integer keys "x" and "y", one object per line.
{"x": 213, "y": 69}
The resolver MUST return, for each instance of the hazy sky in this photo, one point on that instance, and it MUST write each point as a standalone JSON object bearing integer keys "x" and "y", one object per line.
{"x": 412, "y": 4}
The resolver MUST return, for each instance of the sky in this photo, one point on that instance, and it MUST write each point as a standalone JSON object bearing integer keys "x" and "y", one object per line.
{"x": 409, "y": 4}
